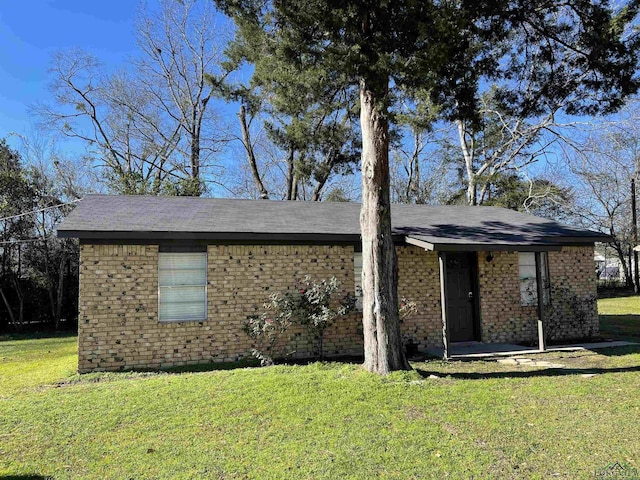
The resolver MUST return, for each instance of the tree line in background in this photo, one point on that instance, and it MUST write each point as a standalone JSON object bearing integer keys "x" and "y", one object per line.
{"x": 198, "y": 112}
{"x": 209, "y": 107}
{"x": 39, "y": 272}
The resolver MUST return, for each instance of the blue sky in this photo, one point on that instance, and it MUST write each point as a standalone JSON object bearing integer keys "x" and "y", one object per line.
{"x": 31, "y": 30}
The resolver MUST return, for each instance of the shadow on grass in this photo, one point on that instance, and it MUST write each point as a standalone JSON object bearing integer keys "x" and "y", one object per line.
{"x": 252, "y": 362}
{"x": 618, "y": 351}
{"x": 36, "y": 336}
{"x": 26, "y": 477}
{"x": 548, "y": 372}
{"x": 95, "y": 377}
{"x": 620, "y": 327}
{"x": 615, "y": 292}
{"x": 206, "y": 367}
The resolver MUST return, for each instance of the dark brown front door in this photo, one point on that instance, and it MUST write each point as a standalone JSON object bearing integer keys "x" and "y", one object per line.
{"x": 460, "y": 291}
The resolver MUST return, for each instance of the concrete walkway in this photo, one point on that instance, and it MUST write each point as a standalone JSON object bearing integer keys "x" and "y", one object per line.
{"x": 471, "y": 350}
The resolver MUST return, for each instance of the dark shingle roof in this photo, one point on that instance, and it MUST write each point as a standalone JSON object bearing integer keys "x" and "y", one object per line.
{"x": 440, "y": 227}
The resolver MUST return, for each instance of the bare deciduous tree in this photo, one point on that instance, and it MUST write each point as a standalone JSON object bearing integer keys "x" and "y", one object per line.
{"x": 152, "y": 128}
{"x": 602, "y": 166}
{"x": 182, "y": 50}
{"x": 502, "y": 142}
{"x": 122, "y": 130}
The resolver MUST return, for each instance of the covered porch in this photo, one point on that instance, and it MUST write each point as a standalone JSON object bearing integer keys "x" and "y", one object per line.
{"x": 494, "y": 283}
{"x": 474, "y": 296}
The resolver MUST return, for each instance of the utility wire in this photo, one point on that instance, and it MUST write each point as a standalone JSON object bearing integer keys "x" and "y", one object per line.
{"x": 40, "y": 210}
{"x": 26, "y": 240}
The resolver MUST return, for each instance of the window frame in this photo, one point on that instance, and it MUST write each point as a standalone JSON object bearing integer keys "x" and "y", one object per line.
{"x": 204, "y": 286}
{"x": 357, "y": 280}
{"x": 529, "y": 296}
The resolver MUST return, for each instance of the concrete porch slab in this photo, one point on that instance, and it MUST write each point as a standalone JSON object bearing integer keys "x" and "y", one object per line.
{"x": 471, "y": 350}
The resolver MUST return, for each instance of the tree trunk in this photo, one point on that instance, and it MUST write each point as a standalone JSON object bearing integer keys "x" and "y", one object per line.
{"x": 12, "y": 317}
{"x": 383, "y": 351}
{"x": 60, "y": 289}
{"x": 246, "y": 140}
{"x": 20, "y": 295}
{"x": 322, "y": 181}
{"x": 290, "y": 174}
{"x": 472, "y": 192}
{"x": 630, "y": 269}
{"x": 195, "y": 166}
{"x": 620, "y": 253}
{"x": 415, "y": 184}
{"x": 295, "y": 195}
{"x": 468, "y": 153}
{"x": 50, "y": 287}
{"x": 412, "y": 193}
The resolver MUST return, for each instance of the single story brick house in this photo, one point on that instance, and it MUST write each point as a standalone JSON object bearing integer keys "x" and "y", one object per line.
{"x": 171, "y": 280}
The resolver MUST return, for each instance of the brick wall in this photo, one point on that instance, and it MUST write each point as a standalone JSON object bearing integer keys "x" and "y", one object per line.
{"x": 502, "y": 318}
{"x": 241, "y": 278}
{"x": 574, "y": 314}
{"x": 118, "y": 318}
{"x": 572, "y": 276}
{"x": 419, "y": 282}
{"x": 118, "y": 304}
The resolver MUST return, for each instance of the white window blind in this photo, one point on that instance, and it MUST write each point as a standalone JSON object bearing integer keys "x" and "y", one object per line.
{"x": 528, "y": 282}
{"x": 357, "y": 277}
{"x": 182, "y": 281}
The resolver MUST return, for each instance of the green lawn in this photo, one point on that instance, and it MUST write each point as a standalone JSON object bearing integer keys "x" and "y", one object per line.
{"x": 620, "y": 318}
{"x": 322, "y": 421}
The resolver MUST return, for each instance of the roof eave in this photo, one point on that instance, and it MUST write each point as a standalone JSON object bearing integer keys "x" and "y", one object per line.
{"x": 548, "y": 244}
{"x": 540, "y": 246}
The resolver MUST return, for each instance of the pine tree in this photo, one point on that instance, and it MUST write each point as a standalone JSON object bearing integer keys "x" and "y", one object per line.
{"x": 450, "y": 48}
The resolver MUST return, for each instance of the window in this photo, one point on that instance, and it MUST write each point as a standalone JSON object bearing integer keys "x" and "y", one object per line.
{"x": 528, "y": 282}
{"x": 182, "y": 286}
{"x": 357, "y": 277}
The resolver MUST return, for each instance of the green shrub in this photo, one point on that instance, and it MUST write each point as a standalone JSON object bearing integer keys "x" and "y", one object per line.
{"x": 268, "y": 329}
{"x": 312, "y": 305}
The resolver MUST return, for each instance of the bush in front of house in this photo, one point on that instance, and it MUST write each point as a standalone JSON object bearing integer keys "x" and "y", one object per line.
{"x": 267, "y": 331}
{"x": 314, "y": 305}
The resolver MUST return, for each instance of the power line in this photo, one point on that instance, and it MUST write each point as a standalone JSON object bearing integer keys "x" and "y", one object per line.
{"x": 26, "y": 240}
{"x": 40, "y": 210}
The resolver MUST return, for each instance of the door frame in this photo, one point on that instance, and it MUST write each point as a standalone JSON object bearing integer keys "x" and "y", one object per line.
{"x": 475, "y": 288}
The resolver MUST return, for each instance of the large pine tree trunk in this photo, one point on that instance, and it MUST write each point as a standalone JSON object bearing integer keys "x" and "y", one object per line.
{"x": 383, "y": 351}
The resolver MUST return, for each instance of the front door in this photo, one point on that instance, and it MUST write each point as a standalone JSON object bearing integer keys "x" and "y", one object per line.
{"x": 460, "y": 291}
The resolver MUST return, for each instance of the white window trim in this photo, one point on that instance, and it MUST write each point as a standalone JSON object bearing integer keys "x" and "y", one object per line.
{"x": 206, "y": 300}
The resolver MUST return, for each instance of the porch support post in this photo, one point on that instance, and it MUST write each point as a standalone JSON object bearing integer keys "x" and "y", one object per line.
{"x": 541, "y": 312}
{"x": 442, "y": 261}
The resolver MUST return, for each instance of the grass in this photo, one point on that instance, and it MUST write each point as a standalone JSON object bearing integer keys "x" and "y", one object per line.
{"x": 620, "y": 318}
{"x": 477, "y": 419}
{"x": 29, "y": 364}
